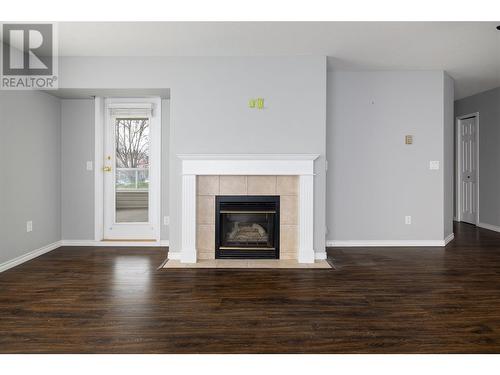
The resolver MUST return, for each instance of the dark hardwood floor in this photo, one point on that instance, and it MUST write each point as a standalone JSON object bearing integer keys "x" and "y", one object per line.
{"x": 384, "y": 300}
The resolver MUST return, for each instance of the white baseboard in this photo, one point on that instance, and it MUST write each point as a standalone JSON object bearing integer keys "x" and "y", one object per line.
{"x": 449, "y": 238}
{"x": 387, "y": 243}
{"x": 164, "y": 243}
{"x": 32, "y": 254}
{"x": 489, "y": 226}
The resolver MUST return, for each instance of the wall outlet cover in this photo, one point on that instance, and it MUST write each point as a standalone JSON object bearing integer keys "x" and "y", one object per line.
{"x": 434, "y": 165}
{"x": 29, "y": 226}
{"x": 407, "y": 220}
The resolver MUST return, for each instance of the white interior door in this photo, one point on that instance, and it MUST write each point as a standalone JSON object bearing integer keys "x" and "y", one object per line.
{"x": 131, "y": 169}
{"x": 468, "y": 175}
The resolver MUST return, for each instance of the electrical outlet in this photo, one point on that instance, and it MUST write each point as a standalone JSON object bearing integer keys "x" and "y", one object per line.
{"x": 434, "y": 165}
{"x": 407, "y": 220}
{"x": 29, "y": 226}
{"x": 166, "y": 220}
{"x": 89, "y": 165}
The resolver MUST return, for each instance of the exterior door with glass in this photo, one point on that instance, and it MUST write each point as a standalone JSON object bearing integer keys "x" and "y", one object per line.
{"x": 131, "y": 169}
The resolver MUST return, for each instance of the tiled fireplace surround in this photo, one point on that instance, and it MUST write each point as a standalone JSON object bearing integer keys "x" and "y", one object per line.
{"x": 210, "y": 186}
{"x": 291, "y": 176}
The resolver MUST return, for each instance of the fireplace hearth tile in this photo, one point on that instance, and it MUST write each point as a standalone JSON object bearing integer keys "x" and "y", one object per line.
{"x": 247, "y": 264}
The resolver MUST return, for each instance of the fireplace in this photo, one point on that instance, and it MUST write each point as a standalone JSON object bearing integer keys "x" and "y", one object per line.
{"x": 247, "y": 227}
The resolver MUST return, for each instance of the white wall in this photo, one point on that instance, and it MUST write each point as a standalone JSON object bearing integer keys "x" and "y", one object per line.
{"x": 30, "y": 180}
{"x": 209, "y": 112}
{"x": 374, "y": 179}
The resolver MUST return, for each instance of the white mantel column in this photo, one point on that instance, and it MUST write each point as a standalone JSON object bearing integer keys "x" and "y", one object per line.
{"x": 188, "y": 250}
{"x": 306, "y": 219}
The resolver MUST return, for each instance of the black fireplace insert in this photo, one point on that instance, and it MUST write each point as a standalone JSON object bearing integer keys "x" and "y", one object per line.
{"x": 247, "y": 227}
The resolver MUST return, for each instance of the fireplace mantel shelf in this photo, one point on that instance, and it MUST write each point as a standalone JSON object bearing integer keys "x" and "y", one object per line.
{"x": 248, "y": 164}
{"x": 248, "y": 156}
{"x": 301, "y": 165}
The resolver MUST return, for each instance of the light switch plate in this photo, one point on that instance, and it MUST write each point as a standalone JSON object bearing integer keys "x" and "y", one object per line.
{"x": 434, "y": 165}
{"x": 89, "y": 165}
{"x": 29, "y": 226}
{"x": 166, "y": 220}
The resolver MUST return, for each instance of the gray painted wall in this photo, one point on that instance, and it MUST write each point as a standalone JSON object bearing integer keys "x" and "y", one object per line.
{"x": 488, "y": 106}
{"x": 77, "y": 122}
{"x": 30, "y": 182}
{"x": 209, "y": 112}
{"x": 374, "y": 179}
{"x": 448, "y": 153}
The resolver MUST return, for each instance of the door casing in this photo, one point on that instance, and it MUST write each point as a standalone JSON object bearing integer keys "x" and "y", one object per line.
{"x": 458, "y": 156}
{"x": 101, "y": 120}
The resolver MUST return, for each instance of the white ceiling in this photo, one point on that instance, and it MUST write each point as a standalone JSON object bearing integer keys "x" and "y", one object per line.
{"x": 468, "y": 51}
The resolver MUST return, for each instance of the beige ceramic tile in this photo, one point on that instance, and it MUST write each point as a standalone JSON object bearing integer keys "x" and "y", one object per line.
{"x": 287, "y": 185}
{"x": 174, "y": 263}
{"x": 261, "y": 185}
{"x": 235, "y": 263}
{"x": 263, "y": 263}
{"x": 288, "y": 255}
{"x": 205, "y": 237}
{"x": 289, "y": 209}
{"x": 205, "y": 209}
{"x": 202, "y": 254}
{"x": 289, "y": 264}
{"x": 233, "y": 185}
{"x": 289, "y": 238}
{"x": 231, "y": 263}
{"x": 202, "y": 263}
{"x": 319, "y": 264}
{"x": 208, "y": 185}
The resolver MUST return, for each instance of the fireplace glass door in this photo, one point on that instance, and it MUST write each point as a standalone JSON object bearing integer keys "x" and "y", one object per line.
{"x": 247, "y": 227}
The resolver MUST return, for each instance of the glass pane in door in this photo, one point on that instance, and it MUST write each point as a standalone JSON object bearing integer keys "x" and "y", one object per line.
{"x": 132, "y": 170}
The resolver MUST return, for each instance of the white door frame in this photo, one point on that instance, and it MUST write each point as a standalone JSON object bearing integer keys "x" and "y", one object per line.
{"x": 458, "y": 163}
{"x": 155, "y": 168}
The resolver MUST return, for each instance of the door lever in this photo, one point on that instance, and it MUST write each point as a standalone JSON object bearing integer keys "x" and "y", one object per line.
{"x": 106, "y": 169}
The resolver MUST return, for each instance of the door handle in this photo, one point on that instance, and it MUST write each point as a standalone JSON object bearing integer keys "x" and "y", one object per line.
{"x": 106, "y": 169}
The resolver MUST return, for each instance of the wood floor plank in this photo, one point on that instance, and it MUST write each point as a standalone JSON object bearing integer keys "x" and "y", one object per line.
{"x": 378, "y": 300}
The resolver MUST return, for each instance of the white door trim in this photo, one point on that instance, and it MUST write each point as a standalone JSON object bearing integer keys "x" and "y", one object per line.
{"x": 155, "y": 168}
{"x": 98, "y": 165}
{"x": 458, "y": 148}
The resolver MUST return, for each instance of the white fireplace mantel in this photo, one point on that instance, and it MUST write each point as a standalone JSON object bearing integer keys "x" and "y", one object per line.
{"x": 301, "y": 165}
